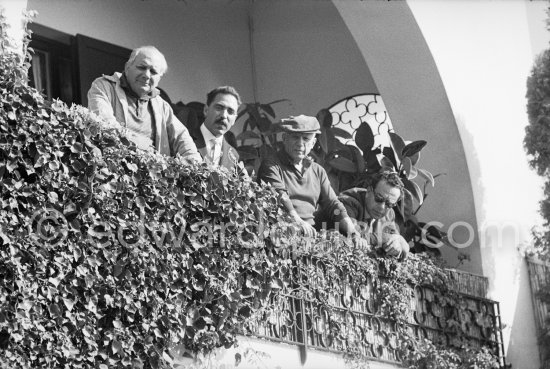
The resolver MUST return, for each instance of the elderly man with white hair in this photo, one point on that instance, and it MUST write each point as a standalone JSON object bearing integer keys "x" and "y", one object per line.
{"x": 303, "y": 185}
{"x": 131, "y": 99}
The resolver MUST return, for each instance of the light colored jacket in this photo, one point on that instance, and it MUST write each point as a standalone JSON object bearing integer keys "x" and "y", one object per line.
{"x": 107, "y": 99}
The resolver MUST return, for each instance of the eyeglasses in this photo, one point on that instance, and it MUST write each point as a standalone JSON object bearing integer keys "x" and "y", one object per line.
{"x": 380, "y": 199}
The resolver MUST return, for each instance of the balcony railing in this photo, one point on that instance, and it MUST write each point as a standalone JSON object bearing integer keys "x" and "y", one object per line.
{"x": 353, "y": 321}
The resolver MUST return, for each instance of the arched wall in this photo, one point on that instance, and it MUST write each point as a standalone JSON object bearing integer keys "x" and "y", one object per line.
{"x": 408, "y": 80}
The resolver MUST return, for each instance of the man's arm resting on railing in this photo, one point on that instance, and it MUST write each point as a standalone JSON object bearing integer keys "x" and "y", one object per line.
{"x": 395, "y": 245}
{"x": 349, "y": 228}
{"x": 306, "y": 228}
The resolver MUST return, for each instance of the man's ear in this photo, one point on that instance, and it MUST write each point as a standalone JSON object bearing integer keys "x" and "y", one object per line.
{"x": 205, "y": 109}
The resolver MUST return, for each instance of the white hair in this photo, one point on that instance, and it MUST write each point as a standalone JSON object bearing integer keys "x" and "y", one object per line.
{"x": 152, "y": 49}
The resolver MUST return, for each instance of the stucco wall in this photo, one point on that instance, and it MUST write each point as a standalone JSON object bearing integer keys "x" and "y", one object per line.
{"x": 304, "y": 52}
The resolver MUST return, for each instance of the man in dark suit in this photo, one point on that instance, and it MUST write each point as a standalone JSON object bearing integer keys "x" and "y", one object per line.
{"x": 220, "y": 113}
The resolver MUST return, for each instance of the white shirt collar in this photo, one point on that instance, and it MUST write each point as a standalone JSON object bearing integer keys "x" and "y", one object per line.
{"x": 208, "y": 136}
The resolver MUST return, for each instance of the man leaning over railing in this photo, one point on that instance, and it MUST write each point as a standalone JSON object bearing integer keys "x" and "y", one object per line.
{"x": 372, "y": 211}
{"x": 303, "y": 184}
{"x": 130, "y": 101}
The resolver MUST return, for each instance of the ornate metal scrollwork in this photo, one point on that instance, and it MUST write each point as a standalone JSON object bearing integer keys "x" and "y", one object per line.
{"x": 351, "y": 321}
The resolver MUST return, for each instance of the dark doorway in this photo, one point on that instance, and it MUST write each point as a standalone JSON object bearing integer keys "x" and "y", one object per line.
{"x": 95, "y": 58}
{"x": 63, "y": 66}
{"x": 52, "y": 71}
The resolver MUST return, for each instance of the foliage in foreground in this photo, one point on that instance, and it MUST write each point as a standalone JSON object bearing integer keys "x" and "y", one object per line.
{"x": 536, "y": 142}
{"x": 110, "y": 256}
{"x": 537, "y": 136}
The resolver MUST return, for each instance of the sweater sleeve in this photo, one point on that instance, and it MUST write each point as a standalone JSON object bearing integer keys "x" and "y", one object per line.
{"x": 100, "y": 100}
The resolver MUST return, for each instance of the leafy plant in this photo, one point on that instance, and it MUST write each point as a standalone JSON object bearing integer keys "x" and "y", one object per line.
{"x": 352, "y": 164}
{"x": 424, "y": 354}
{"x": 110, "y": 255}
{"x": 258, "y": 127}
{"x": 537, "y": 136}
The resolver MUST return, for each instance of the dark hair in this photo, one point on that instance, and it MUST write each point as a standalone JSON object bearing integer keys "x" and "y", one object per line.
{"x": 390, "y": 177}
{"x": 226, "y": 90}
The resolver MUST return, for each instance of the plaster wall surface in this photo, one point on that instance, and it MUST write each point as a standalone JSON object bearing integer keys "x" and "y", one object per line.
{"x": 258, "y": 353}
{"x": 304, "y": 52}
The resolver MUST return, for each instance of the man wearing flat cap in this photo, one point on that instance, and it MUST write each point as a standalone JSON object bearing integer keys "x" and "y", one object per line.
{"x": 303, "y": 184}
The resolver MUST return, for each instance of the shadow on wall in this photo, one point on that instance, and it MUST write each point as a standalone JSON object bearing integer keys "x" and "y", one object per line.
{"x": 523, "y": 338}
{"x": 474, "y": 264}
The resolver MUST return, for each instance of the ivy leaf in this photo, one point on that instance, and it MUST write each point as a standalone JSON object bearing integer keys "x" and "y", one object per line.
{"x": 158, "y": 333}
{"x": 54, "y": 165}
{"x": 116, "y": 346}
{"x": 132, "y": 167}
{"x": 140, "y": 202}
{"x": 53, "y": 197}
{"x": 54, "y": 310}
{"x": 277, "y": 283}
{"x": 245, "y": 311}
{"x": 199, "y": 324}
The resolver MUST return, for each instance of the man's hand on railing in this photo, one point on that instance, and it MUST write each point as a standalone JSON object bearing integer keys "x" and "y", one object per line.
{"x": 305, "y": 228}
{"x": 395, "y": 245}
{"x": 360, "y": 242}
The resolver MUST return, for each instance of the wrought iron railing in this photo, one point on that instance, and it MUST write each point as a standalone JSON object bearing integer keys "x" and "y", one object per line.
{"x": 352, "y": 319}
